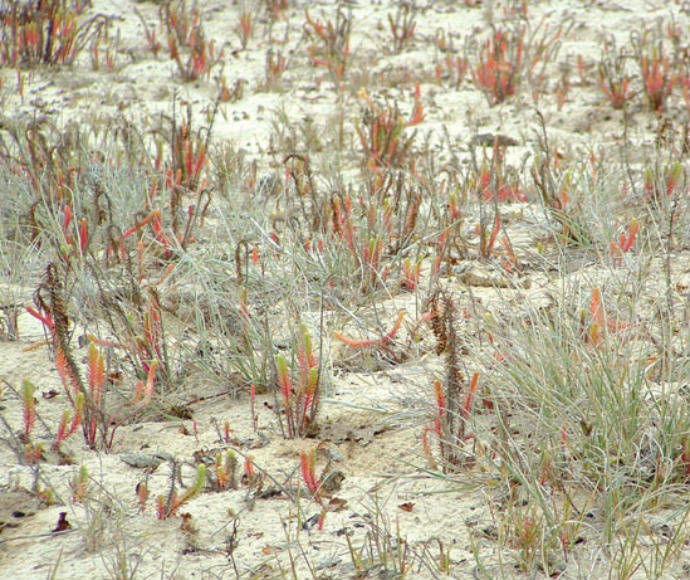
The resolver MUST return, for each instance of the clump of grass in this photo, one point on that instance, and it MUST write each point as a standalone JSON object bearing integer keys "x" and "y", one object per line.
{"x": 582, "y": 429}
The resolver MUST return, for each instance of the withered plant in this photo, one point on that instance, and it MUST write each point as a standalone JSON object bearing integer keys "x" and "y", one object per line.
{"x": 454, "y": 398}
{"x": 402, "y": 25}
{"x": 553, "y": 186}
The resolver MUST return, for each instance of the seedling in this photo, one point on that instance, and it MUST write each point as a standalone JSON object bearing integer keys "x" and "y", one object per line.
{"x": 244, "y": 29}
{"x": 33, "y": 451}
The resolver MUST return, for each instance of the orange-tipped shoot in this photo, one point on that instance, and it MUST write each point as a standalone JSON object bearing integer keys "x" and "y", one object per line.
{"x": 385, "y": 339}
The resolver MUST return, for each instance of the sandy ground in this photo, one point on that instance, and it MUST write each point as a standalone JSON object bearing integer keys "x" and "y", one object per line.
{"x": 372, "y": 420}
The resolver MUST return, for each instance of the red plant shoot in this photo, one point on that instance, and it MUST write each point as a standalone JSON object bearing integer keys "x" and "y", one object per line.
{"x": 308, "y": 464}
{"x": 500, "y": 64}
{"x": 658, "y": 81}
{"x": 625, "y": 242}
{"x": 383, "y": 340}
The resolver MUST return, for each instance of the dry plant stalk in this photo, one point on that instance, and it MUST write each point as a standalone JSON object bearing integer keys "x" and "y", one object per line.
{"x": 453, "y": 410}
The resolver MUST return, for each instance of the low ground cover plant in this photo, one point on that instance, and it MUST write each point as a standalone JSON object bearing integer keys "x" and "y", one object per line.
{"x": 282, "y": 298}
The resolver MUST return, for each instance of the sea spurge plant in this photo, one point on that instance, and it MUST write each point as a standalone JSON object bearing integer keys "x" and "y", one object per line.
{"x": 225, "y": 470}
{"x": 52, "y": 312}
{"x": 496, "y": 182}
{"x": 381, "y": 341}
{"x": 78, "y": 234}
{"x": 299, "y": 389}
{"x": 662, "y": 183}
{"x": 331, "y": 46}
{"x": 657, "y": 76}
{"x": 187, "y": 44}
{"x": 33, "y": 452}
{"x": 625, "y": 242}
{"x": 402, "y": 26}
{"x": 452, "y": 69}
{"x": 70, "y": 423}
{"x": 274, "y": 68}
{"x": 188, "y": 154}
{"x": 500, "y": 65}
{"x": 95, "y": 380}
{"x": 454, "y": 396}
{"x": 144, "y": 391}
{"x": 411, "y": 273}
{"x": 276, "y": 8}
{"x": 541, "y": 47}
{"x": 418, "y": 108}
{"x": 599, "y": 325}
{"x": 155, "y": 220}
{"x": 29, "y": 406}
{"x": 487, "y": 238}
{"x": 79, "y": 484}
{"x": 244, "y": 29}
{"x": 168, "y": 506}
{"x": 382, "y": 133}
{"x": 613, "y": 78}
{"x": 308, "y": 469}
{"x": 86, "y": 396}
{"x": 45, "y": 31}
{"x": 450, "y": 430}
